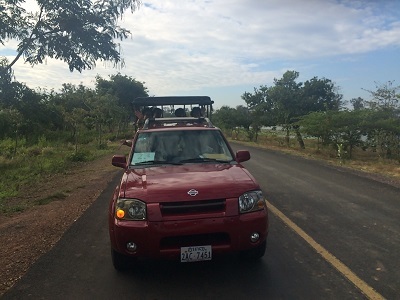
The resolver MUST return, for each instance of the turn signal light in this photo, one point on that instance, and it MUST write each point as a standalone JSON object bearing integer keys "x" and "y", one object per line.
{"x": 120, "y": 213}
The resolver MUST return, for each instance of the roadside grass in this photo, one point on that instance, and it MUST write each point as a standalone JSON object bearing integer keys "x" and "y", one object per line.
{"x": 37, "y": 163}
{"x": 51, "y": 198}
{"x": 362, "y": 160}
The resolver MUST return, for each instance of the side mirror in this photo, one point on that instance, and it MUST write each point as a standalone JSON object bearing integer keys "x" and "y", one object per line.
{"x": 242, "y": 155}
{"x": 119, "y": 161}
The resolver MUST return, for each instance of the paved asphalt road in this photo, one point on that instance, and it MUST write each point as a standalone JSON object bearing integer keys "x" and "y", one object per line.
{"x": 353, "y": 218}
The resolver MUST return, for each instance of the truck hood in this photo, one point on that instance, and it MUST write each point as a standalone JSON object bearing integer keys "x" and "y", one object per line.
{"x": 168, "y": 183}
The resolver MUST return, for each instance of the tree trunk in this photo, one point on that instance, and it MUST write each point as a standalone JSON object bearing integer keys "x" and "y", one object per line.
{"x": 118, "y": 130}
{"x": 287, "y": 137}
{"x": 350, "y": 151}
{"x": 16, "y": 143}
{"x": 299, "y": 137}
{"x": 100, "y": 135}
{"x": 76, "y": 141}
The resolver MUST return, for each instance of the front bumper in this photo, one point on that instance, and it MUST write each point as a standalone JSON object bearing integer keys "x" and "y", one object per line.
{"x": 163, "y": 239}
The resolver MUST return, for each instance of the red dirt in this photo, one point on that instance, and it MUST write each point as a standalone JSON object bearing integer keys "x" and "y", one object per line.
{"x": 25, "y": 236}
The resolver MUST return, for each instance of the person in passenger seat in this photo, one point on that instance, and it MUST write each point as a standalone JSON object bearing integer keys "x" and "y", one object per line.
{"x": 196, "y": 112}
{"x": 157, "y": 112}
{"x": 180, "y": 112}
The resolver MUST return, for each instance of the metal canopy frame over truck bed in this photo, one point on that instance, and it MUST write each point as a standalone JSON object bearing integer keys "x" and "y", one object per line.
{"x": 172, "y": 100}
{"x": 203, "y": 101}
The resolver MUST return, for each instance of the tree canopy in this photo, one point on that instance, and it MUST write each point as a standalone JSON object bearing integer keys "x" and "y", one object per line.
{"x": 315, "y": 108}
{"x": 124, "y": 87}
{"x": 79, "y": 32}
{"x": 287, "y": 100}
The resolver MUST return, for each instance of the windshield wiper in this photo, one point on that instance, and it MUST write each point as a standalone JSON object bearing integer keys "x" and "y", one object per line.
{"x": 157, "y": 162}
{"x": 204, "y": 159}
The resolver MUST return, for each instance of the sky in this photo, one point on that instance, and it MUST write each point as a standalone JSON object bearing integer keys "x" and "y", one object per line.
{"x": 224, "y": 48}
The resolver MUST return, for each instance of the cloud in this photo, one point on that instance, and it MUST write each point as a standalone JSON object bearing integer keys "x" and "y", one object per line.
{"x": 216, "y": 40}
{"x": 179, "y": 46}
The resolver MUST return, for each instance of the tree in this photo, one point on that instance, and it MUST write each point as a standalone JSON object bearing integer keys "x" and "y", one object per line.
{"x": 358, "y": 103}
{"x": 259, "y": 99}
{"x": 383, "y": 131}
{"x": 75, "y": 119}
{"x": 232, "y": 119}
{"x": 245, "y": 120}
{"x": 124, "y": 88}
{"x": 260, "y": 109}
{"x": 346, "y": 129}
{"x": 341, "y": 129}
{"x": 69, "y": 103}
{"x": 7, "y": 86}
{"x": 225, "y": 118}
{"x": 384, "y": 120}
{"x": 319, "y": 125}
{"x": 320, "y": 95}
{"x": 103, "y": 111}
{"x": 77, "y": 32}
{"x": 385, "y": 97}
{"x": 33, "y": 114}
{"x": 286, "y": 97}
{"x": 287, "y": 101}
{"x": 15, "y": 122}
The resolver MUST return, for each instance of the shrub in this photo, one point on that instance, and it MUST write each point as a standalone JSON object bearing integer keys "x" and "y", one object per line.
{"x": 80, "y": 156}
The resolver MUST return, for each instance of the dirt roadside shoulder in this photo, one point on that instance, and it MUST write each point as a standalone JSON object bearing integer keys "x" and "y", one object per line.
{"x": 25, "y": 236}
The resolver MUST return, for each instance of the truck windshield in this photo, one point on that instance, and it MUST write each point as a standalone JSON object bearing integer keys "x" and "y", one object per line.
{"x": 180, "y": 146}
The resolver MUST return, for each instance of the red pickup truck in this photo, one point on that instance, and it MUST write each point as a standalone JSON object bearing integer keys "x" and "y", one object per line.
{"x": 184, "y": 194}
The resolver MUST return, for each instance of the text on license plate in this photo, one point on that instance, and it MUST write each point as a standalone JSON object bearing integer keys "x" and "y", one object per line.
{"x": 196, "y": 253}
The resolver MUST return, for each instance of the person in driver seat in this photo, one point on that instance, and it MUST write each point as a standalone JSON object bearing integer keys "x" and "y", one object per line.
{"x": 196, "y": 112}
{"x": 180, "y": 112}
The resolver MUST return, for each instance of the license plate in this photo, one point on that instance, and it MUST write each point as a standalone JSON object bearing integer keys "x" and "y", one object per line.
{"x": 196, "y": 253}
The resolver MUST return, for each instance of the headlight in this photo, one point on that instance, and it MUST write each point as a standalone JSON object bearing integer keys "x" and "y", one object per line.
{"x": 130, "y": 209}
{"x": 251, "y": 201}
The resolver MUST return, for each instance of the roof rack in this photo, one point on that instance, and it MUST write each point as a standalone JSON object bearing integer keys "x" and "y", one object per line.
{"x": 182, "y": 122}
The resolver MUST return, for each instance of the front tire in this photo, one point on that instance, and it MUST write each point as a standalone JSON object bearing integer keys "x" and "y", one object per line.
{"x": 255, "y": 253}
{"x": 120, "y": 261}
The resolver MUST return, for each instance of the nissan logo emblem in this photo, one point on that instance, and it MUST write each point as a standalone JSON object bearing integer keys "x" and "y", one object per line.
{"x": 193, "y": 192}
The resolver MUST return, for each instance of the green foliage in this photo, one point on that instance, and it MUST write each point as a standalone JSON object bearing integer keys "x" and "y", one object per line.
{"x": 336, "y": 128}
{"x": 33, "y": 163}
{"x": 315, "y": 108}
{"x": 259, "y": 111}
{"x": 381, "y": 122}
{"x": 45, "y": 132}
{"x": 317, "y": 124}
{"x": 42, "y": 142}
{"x": 225, "y": 118}
{"x": 124, "y": 88}
{"x": 77, "y": 115}
{"x": 284, "y": 103}
{"x": 77, "y": 32}
{"x": 382, "y": 128}
{"x": 386, "y": 96}
{"x": 319, "y": 95}
{"x": 8, "y": 147}
{"x": 80, "y": 156}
